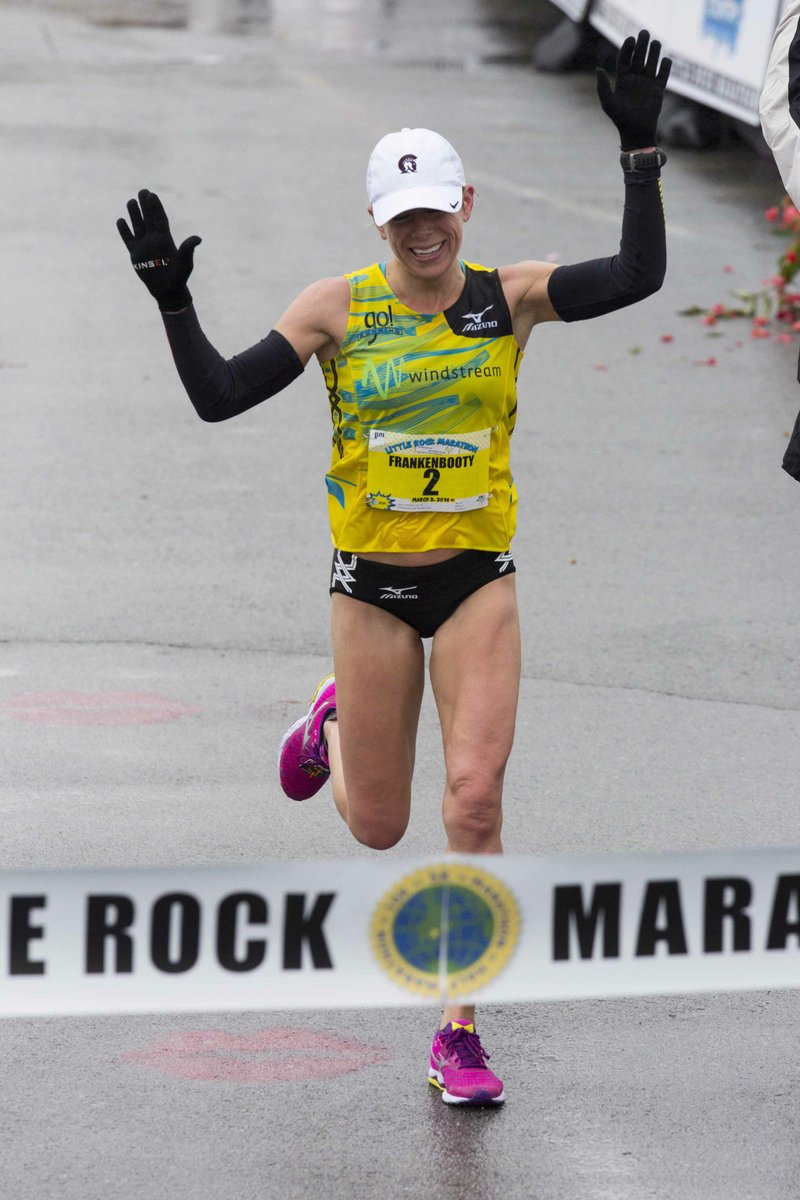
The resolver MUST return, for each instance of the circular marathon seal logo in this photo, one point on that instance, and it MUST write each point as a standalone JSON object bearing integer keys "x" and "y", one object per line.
{"x": 446, "y": 929}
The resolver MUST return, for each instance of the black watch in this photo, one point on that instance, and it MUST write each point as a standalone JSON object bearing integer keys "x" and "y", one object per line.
{"x": 642, "y": 160}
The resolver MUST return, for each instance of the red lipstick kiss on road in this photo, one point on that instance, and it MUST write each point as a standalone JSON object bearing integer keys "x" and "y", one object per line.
{"x": 98, "y": 708}
{"x": 265, "y": 1056}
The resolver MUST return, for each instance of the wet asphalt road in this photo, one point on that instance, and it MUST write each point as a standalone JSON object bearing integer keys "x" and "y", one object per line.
{"x": 147, "y": 554}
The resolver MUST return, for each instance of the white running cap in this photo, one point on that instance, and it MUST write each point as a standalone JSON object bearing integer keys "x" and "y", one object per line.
{"x": 415, "y": 168}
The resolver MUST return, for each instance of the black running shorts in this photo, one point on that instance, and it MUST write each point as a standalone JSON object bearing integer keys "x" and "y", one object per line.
{"x": 423, "y": 597}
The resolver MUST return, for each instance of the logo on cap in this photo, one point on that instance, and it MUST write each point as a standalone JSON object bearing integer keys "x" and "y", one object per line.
{"x": 407, "y": 164}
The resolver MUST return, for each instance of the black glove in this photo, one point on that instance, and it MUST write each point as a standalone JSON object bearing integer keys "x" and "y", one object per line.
{"x": 163, "y": 267}
{"x": 635, "y": 102}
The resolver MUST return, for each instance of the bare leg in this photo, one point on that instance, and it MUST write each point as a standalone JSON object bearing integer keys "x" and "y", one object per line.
{"x": 378, "y": 662}
{"x": 475, "y": 672}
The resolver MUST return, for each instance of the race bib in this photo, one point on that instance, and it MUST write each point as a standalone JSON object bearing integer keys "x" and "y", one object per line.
{"x": 438, "y": 471}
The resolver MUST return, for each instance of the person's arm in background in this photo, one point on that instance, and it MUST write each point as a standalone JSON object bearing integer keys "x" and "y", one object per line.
{"x": 780, "y": 121}
{"x": 780, "y": 99}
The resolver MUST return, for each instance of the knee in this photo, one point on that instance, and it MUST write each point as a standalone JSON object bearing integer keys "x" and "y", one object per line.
{"x": 473, "y": 811}
{"x": 378, "y": 824}
{"x": 376, "y": 836}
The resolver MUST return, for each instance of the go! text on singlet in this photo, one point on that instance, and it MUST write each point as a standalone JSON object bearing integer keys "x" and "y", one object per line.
{"x": 423, "y": 407}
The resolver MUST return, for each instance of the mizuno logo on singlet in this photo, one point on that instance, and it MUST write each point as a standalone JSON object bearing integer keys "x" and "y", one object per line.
{"x": 473, "y": 321}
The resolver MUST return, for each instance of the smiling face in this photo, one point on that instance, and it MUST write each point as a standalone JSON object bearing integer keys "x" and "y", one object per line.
{"x": 426, "y": 242}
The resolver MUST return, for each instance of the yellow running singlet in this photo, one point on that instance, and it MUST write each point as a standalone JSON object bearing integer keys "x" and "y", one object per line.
{"x": 423, "y": 407}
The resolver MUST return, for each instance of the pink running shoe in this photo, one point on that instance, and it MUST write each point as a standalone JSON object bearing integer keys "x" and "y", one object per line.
{"x": 458, "y": 1067}
{"x": 303, "y": 756}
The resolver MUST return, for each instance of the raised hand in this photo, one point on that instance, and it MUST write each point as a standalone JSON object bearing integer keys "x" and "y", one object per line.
{"x": 162, "y": 266}
{"x": 634, "y": 103}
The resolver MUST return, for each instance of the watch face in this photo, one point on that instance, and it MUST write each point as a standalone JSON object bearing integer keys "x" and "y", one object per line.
{"x": 641, "y": 161}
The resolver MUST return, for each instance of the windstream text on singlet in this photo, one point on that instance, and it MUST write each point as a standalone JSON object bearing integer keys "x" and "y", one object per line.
{"x": 431, "y": 375}
{"x": 395, "y": 370}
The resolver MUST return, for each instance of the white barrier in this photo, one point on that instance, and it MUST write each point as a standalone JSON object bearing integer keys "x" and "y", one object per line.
{"x": 719, "y": 48}
{"x": 213, "y": 16}
{"x": 356, "y": 933}
{"x": 573, "y": 8}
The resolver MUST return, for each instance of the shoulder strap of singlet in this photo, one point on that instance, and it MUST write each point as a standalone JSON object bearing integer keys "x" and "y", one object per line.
{"x": 481, "y": 309}
{"x": 368, "y": 285}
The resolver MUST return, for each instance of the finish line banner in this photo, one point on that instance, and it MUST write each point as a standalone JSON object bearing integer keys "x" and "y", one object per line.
{"x": 353, "y": 933}
{"x": 719, "y": 48}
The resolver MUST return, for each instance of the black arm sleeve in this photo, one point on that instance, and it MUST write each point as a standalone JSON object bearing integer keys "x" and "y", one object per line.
{"x": 602, "y": 285}
{"x": 221, "y": 388}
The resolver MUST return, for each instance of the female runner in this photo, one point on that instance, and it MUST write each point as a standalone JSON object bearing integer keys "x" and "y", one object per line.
{"x": 420, "y": 354}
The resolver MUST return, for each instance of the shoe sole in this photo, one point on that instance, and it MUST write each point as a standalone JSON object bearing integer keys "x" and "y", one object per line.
{"x": 479, "y": 1101}
{"x": 297, "y": 725}
{"x": 292, "y": 729}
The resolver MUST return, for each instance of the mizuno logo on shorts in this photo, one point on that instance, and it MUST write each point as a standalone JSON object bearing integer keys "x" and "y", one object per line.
{"x": 399, "y": 593}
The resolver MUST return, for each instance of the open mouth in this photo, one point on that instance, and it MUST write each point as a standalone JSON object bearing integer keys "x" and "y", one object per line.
{"x": 426, "y": 251}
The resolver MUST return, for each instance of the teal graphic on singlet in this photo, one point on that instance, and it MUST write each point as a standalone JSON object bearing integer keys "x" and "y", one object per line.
{"x": 418, "y": 926}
